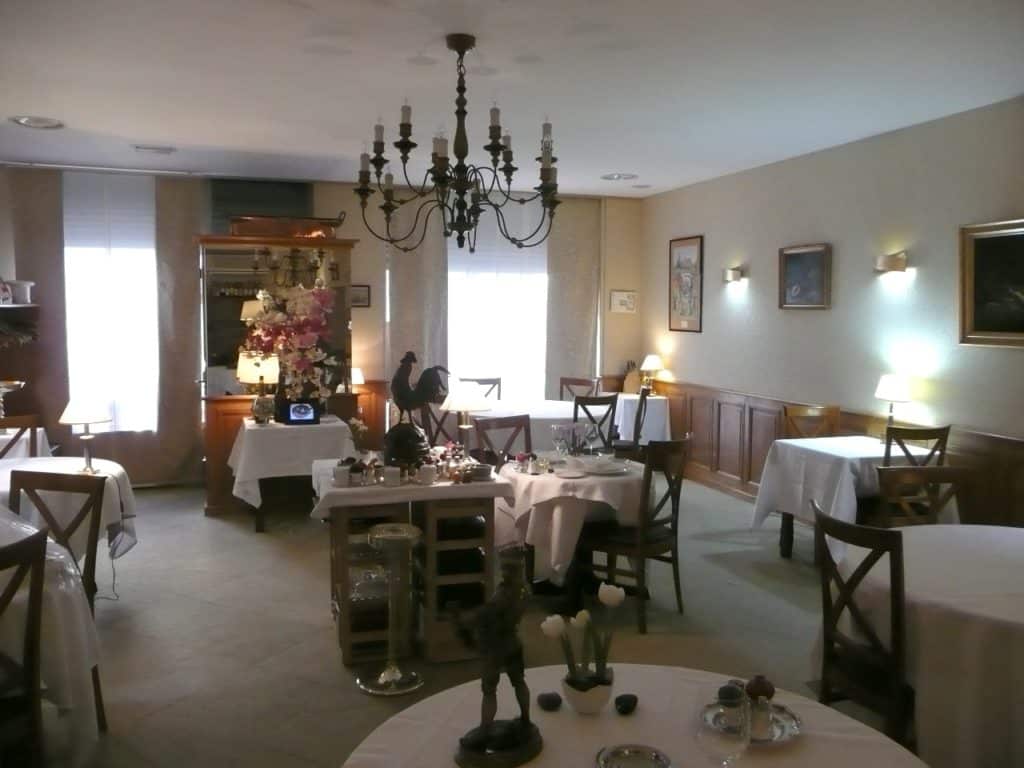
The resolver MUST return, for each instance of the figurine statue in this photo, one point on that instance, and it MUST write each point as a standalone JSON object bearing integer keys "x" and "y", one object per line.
{"x": 503, "y": 743}
{"x": 429, "y": 387}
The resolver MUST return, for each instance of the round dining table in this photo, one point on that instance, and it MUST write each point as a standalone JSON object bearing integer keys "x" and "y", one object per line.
{"x": 964, "y": 594}
{"x": 426, "y": 735}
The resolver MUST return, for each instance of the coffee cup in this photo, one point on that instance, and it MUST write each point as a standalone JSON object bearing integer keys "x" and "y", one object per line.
{"x": 427, "y": 474}
{"x": 392, "y": 477}
{"x": 341, "y": 476}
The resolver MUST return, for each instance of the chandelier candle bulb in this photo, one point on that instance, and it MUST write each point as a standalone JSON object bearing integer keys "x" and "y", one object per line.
{"x": 378, "y": 132}
{"x": 495, "y": 116}
{"x": 389, "y": 181}
{"x": 364, "y": 162}
{"x": 406, "y": 113}
{"x": 506, "y": 141}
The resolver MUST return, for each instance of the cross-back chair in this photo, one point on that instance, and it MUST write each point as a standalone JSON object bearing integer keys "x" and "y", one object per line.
{"x": 858, "y": 665}
{"x": 631, "y": 449}
{"x": 656, "y": 535}
{"x": 916, "y": 495}
{"x": 62, "y": 531}
{"x": 576, "y": 387}
{"x": 488, "y": 386}
{"x": 515, "y": 425}
{"x": 901, "y": 435}
{"x": 441, "y": 426}
{"x": 33, "y": 425}
{"x": 602, "y": 420}
{"x": 21, "y": 698}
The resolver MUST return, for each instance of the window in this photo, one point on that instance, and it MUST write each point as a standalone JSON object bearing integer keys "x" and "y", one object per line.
{"x": 110, "y": 287}
{"x": 498, "y": 307}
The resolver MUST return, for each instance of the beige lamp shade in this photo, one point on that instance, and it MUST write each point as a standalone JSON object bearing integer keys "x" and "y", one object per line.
{"x": 652, "y": 363}
{"x": 893, "y": 387}
{"x": 85, "y": 412}
{"x": 466, "y": 397}
{"x": 252, "y": 366}
{"x": 251, "y": 309}
{"x": 357, "y": 376}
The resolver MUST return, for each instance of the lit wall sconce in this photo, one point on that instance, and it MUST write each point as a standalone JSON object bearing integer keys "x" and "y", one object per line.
{"x": 732, "y": 275}
{"x": 893, "y": 262}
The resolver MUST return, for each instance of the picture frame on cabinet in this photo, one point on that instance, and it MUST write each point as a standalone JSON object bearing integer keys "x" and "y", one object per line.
{"x": 992, "y": 284}
{"x": 805, "y": 276}
{"x": 686, "y": 284}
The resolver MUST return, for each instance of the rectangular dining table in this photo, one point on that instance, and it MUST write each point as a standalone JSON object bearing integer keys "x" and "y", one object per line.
{"x": 21, "y": 449}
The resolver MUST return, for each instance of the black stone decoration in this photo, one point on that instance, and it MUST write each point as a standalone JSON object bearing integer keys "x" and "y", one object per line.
{"x": 625, "y": 703}
{"x": 549, "y": 702}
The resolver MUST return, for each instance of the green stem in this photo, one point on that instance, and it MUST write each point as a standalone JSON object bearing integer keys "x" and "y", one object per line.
{"x": 570, "y": 658}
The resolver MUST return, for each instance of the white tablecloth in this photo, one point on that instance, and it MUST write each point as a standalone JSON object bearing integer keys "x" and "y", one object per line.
{"x": 656, "y": 422}
{"x": 834, "y": 471}
{"x": 548, "y": 512}
{"x": 283, "y": 450}
{"x": 117, "y": 517}
{"x": 426, "y": 735}
{"x": 964, "y": 587}
{"x": 21, "y": 448}
{"x": 69, "y": 648}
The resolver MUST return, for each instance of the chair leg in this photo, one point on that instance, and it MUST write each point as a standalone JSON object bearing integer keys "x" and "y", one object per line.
{"x": 97, "y": 692}
{"x": 786, "y": 536}
{"x": 675, "y": 578}
{"x": 612, "y": 562}
{"x": 641, "y": 597}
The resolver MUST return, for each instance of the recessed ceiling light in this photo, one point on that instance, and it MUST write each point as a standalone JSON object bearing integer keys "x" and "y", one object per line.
{"x": 35, "y": 121}
{"x": 619, "y": 176}
{"x": 641, "y": 186}
{"x": 154, "y": 149}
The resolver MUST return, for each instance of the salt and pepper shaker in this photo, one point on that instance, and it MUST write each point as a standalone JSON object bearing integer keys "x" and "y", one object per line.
{"x": 760, "y": 691}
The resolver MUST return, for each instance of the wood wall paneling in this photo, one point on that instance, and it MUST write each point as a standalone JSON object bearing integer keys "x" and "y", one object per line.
{"x": 729, "y": 436}
{"x": 224, "y": 416}
{"x": 373, "y": 405}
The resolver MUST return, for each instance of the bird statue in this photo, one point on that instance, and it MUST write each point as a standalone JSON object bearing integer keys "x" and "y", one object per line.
{"x": 429, "y": 387}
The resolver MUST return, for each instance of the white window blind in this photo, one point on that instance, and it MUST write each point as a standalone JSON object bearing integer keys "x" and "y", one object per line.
{"x": 498, "y": 306}
{"x": 110, "y": 285}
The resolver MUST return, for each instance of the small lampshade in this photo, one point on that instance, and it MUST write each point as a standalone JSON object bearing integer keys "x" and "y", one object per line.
{"x": 466, "y": 397}
{"x": 85, "y": 412}
{"x": 252, "y": 366}
{"x": 893, "y": 387}
{"x": 357, "y": 376}
{"x": 652, "y": 363}
{"x": 891, "y": 262}
{"x": 251, "y": 309}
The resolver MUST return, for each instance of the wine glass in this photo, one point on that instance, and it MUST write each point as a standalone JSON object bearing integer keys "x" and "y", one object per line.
{"x": 723, "y": 724}
{"x": 560, "y": 440}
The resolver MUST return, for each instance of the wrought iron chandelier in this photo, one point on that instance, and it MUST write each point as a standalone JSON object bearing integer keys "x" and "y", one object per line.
{"x": 294, "y": 266}
{"x": 459, "y": 192}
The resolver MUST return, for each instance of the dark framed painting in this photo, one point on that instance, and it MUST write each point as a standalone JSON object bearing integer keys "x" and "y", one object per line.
{"x": 360, "y": 295}
{"x": 805, "y": 276}
{"x": 992, "y": 284}
{"x": 686, "y": 283}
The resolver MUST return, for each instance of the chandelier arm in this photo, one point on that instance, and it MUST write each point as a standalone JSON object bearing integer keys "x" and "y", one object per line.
{"x": 420, "y": 191}
{"x": 423, "y": 233}
{"x": 507, "y": 193}
{"x": 522, "y": 242}
{"x": 415, "y": 224}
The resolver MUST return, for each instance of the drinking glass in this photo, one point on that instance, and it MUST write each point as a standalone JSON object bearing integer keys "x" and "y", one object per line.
{"x": 560, "y": 439}
{"x": 723, "y": 726}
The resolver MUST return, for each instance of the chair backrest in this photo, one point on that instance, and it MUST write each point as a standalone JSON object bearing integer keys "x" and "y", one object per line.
{"x": 91, "y": 486}
{"x": 602, "y": 420}
{"x": 441, "y": 426}
{"x": 641, "y": 415}
{"x": 489, "y": 386}
{"x": 20, "y": 424}
{"x": 837, "y": 594}
{"x": 900, "y": 436}
{"x": 810, "y": 420}
{"x": 514, "y": 424}
{"x": 917, "y": 495}
{"x": 666, "y": 458}
{"x": 26, "y": 557}
{"x": 577, "y": 386}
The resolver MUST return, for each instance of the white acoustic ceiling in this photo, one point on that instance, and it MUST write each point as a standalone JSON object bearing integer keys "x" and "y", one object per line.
{"x": 672, "y": 90}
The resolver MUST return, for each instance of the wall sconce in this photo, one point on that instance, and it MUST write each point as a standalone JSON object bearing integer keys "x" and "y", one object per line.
{"x": 893, "y": 262}
{"x": 732, "y": 275}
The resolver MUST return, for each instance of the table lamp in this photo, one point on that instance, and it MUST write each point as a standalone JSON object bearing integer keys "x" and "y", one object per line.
{"x": 256, "y": 369}
{"x": 895, "y": 388}
{"x": 251, "y": 309}
{"x": 84, "y": 413}
{"x": 465, "y": 398}
{"x": 650, "y": 368}
{"x": 356, "y": 374}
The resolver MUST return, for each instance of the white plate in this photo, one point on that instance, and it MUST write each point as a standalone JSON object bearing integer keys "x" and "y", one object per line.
{"x": 569, "y": 474}
{"x": 609, "y": 471}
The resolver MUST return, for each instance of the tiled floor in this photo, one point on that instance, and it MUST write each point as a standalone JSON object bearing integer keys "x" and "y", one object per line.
{"x": 221, "y": 650}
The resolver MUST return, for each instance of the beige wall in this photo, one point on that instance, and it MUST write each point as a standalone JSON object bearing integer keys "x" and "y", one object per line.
{"x": 6, "y": 228}
{"x": 909, "y": 189}
{"x": 622, "y": 336}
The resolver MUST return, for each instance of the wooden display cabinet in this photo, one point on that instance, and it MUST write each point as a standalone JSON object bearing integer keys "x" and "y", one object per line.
{"x": 224, "y": 416}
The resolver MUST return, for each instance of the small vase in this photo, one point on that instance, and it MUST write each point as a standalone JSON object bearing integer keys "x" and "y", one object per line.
{"x": 592, "y": 700}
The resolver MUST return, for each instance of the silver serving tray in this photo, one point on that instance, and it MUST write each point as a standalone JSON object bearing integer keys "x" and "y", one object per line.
{"x": 785, "y": 725}
{"x": 632, "y": 756}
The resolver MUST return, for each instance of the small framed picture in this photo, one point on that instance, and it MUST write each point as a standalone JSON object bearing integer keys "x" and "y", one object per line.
{"x": 360, "y": 295}
{"x": 686, "y": 283}
{"x": 623, "y": 302}
{"x": 805, "y": 276}
{"x": 992, "y": 284}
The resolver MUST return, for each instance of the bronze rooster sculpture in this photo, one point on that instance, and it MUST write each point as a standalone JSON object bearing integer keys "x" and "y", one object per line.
{"x": 429, "y": 387}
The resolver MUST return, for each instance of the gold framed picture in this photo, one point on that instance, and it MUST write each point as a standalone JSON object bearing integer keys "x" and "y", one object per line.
{"x": 686, "y": 284}
{"x": 805, "y": 276}
{"x": 992, "y": 284}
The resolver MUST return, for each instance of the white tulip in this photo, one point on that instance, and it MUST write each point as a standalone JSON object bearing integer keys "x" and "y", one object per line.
{"x": 611, "y": 595}
{"x": 581, "y": 619}
{"x": 553, "y": 626}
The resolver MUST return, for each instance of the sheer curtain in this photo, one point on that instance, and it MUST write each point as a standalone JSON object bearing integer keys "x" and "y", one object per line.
{"x": 497, "y": 307}
{"x": 110, "y": 283}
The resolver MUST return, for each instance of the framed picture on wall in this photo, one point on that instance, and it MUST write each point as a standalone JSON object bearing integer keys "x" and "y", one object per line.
{"x": 992, "y": 284}
{"x": 360, "y": 295}
{"x": 805, "y": 276}
{"x": 686, "y": 283}
{"x": 623, "y": 302}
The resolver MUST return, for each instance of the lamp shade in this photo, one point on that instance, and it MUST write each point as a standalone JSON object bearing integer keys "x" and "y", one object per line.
{"x": 85, "y": 412}
{"x": 252, "y": 366}
{"x": 357, "y": 376}
{"x": 652, "y": 363}
{"x": 466, "y": 397}
{"x": 251, "y": 309}
{"x": 893, "y": 387}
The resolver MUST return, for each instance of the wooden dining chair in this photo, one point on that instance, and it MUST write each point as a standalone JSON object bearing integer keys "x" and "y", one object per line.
{"x": 441, "y": 426}
{"x": 577, "y": 386}
{"x": 632, "y": 449}
{"x": 655, "y": 537}
{"x": 61, "y": 531}
{"x": 916, "y": 495}
{"x": 33, "y": 425}
{"x": 602, "y": 417}
{"x": 21, "y": 698}
{"x": 938, "y": 437}
{"x": 514, "y": 425}
{"x": 489, "y": 386}
{"x": 857, "y": 665}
